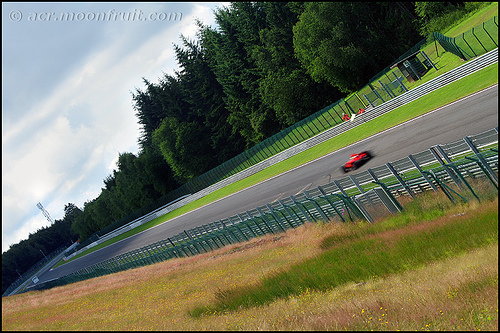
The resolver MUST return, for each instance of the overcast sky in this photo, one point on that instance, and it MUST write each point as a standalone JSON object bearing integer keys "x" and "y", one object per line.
{"x": 68, "y": 73}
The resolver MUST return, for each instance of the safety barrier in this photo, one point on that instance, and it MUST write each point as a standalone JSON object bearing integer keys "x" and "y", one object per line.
{"x": 355, "y": 197}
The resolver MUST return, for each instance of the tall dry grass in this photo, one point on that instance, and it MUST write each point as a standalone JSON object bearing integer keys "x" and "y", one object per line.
{"x": 456, "y": 293}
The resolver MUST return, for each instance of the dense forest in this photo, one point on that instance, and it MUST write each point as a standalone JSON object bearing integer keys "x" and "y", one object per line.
{"x": 265, "y": 67}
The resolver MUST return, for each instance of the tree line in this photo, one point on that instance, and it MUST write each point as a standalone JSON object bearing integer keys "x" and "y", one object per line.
{"x": 266, "y": 66}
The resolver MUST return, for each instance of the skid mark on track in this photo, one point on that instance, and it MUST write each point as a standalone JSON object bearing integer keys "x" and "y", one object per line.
{"x": 305, "y": 188}
{"x": 279, "y": 197}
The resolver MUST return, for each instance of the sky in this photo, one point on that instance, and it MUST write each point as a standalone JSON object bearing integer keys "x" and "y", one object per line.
{"x": 68, "y": 74}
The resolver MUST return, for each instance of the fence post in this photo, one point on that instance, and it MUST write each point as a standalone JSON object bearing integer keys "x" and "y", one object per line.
{"x": 434, "y": 152}
{"x": 476, "y": 152}
{"x": 439, "y": 184}
{"x": 428, "y": 59}
{"x": 478, "y": 40}
{"x": 275, "y": 216}
{"x": 256, "y": 222}
{"x": 378, "y": 95}
{"x": 230, "y": 232}
{"x": 264, "y": 218}
{"x": 290, "y": 214}
{"x": 250, "y": 228}
{"x": 400, "y": 82}
{"x": 375, "y": 92}
{"x": 349, "y": 204}
{"x": 318, "y": 208}
{"x": 459, "y": 50}
{"x": 419, "y": 168}
{"x": 302, "y": 209}
{"x": 352, "y": 111}
{"x": 241, "y": 232}
{"x": 445, "y": 187}
{"x": 370, "y": 102}
{"x": 235, "y": 226}
{"x": 360, "y": 100}
{"x": 204, "y": 239}
{"x": 284, "y": 218}
{"x": 489, "y": 35}
{"x": 333, "y": 108}
{"x": 454, "y": 167}
{"x": 362, "y": 209}
{"x": 483, "y": 169}
{"x": 399, "y": 179}
{"x": 359, "y": 187}
{"x": 465, "y": 40}
{"x": 388, "y": 91}
{"x": 246, "y": 225}
{"x": 184, "y": 247}
{"x": 331, "y": 204}
{"x": 223, "y": 232}
{"x": 189, "y": 236}
{"x": 389, "y": 194}
{"x": 339, "y": 187}
{"x": 372, "y": 174}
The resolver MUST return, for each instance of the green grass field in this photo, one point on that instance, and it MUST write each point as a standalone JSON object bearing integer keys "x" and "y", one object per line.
{"x": 432, "y": 267}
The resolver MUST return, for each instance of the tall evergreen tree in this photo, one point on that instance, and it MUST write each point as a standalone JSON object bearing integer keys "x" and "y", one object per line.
{"x": 22, "y": 256}
{"x": 285, "y": 86}
{"x": 231, "y": 48}
{"x": 346, "y": 43}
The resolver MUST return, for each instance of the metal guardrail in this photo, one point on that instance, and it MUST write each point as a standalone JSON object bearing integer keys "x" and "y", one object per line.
{"x": 407, "y": 97}
{"x": 353, "y": 197}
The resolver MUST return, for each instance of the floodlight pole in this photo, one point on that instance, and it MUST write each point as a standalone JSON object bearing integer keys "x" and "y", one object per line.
{"x": 45, "y": 213}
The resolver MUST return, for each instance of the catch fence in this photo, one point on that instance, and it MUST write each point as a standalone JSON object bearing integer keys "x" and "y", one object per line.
{"x": 362, "y": 196}
{"x": 472, "y": 43}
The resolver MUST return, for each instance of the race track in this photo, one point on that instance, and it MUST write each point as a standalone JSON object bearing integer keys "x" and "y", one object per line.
{"x": 472, "y": 115}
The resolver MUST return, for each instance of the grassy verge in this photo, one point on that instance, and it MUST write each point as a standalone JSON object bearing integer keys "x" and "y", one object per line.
{"x": 368, "y": 253}
{"x": 474, "y": 20}
{"x": 432, "y": 267}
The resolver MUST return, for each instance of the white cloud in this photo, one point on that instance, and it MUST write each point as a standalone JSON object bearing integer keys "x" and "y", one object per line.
{"x": 31, "y": 226}
{"x": 67, "y": 110}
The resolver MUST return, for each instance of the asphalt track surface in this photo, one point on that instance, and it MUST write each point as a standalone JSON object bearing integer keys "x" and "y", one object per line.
{"x": 471, "y": 115}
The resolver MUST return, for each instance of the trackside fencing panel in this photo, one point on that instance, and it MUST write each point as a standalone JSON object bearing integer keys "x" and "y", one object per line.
{"x": 472, "y": 43}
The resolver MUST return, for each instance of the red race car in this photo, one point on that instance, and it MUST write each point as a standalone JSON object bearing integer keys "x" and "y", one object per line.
{"x": 357, "y": 160}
